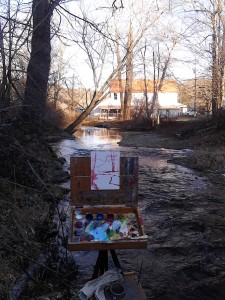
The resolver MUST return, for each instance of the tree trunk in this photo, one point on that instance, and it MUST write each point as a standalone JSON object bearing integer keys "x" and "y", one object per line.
{"x": 154, "y": 99}
{"x": 119, "y": 76}
{"x": 73, "y": 126}
{"x": 129, "y": 77}
{"x": 215, "y": 66}
{"x": 96, "y": 99}
{"x": 3, "y": 82}
{"x": 128, "y": 91}
{"x": 158, "y": 83}
{"x": 39, "y": 64}
{"x": 222, "y": 65}
{"x": 148, "y": 114}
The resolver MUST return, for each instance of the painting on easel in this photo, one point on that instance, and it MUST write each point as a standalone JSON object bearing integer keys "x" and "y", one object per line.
{"x": 105, "y": 170}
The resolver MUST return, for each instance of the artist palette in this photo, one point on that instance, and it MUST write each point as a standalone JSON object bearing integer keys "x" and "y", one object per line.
{"x": 108, "y": 227}
{"x": 105, "y": 227}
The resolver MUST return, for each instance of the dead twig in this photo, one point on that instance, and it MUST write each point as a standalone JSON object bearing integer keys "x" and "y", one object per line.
{"x": 12, "y": 107}
{"x": 20, "y": 185}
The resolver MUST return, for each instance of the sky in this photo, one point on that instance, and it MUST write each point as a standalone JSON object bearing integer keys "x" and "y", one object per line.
{"x": 77, "y": 61}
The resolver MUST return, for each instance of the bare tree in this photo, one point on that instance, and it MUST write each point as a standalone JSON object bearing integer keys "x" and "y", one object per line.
{"x": 161, "y": 71}
{"x": 215, "y": 59}
{"x": 101, "y": 91}
{"x": 13, "y": 37}
{"x": 57, "y": 76}
{"x": 141, "y": 20}
{"x": 207, "y": 40}
{"x": 6, "y": 65}
{"x": 74, "y": 96}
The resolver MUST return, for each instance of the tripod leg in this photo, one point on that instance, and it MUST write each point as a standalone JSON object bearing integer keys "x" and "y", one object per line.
{"x": 101, "y": 264}
{"x": 115, "y": 259}
{"x": 97, "y": 266}
{"x": 104, "y": 261}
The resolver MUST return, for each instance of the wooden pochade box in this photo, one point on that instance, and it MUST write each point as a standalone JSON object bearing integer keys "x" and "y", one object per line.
{"x": 105, "y": 219}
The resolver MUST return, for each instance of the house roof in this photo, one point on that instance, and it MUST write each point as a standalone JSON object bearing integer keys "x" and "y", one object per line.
{"x": 138, "y": 86}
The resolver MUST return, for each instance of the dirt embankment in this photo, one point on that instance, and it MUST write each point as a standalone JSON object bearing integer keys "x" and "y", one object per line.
{"x": 29, "y": 174}
{"x": 208, "y": 144}
{"x": 152, "y": 139}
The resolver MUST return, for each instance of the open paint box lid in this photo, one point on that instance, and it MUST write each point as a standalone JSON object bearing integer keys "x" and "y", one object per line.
{"x": 104, "y": 178}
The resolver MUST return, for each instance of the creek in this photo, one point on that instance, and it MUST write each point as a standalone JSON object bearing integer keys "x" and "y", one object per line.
{"x": 184, "y": 217}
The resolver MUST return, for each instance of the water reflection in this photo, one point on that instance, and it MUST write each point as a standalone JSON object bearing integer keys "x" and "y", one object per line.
{"x": 87, "y": 139}
{"x": 104, "y": 138}
{"x": 92, "y": 138}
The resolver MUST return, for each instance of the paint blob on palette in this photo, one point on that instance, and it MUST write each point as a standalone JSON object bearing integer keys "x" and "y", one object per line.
{"x": 104, "y": 226}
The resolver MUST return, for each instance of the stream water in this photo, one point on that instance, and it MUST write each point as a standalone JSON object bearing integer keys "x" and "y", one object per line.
{"x": 183, "y": 215}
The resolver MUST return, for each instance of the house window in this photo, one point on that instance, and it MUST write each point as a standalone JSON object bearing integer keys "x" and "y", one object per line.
{"x": 115, "y": 96}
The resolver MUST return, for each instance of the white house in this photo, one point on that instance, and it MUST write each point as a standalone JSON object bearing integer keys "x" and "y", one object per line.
{"x": 167, "y": 103}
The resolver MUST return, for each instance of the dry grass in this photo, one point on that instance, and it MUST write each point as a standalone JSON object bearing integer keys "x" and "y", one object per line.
{"x": 22, "y": 212}
{"x": 207, "y": 160}
{"x": 28, "y": 201}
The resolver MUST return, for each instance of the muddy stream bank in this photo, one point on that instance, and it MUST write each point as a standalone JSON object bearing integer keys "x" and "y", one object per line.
{"x": 184, "y": 217}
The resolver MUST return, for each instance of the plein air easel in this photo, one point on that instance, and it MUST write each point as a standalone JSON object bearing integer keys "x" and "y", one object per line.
{"x": 104, "y": 186}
